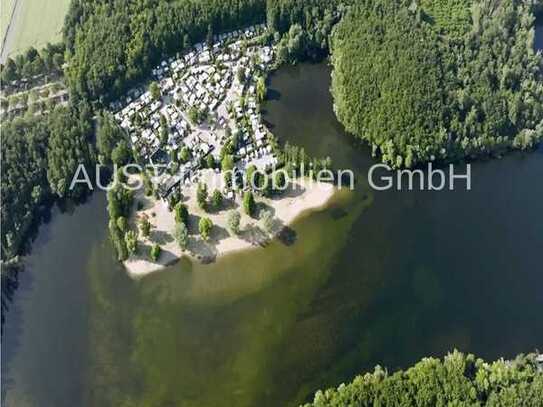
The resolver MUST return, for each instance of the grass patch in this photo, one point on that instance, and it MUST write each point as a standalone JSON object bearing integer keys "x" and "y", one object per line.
{"x": 6, "y": 7}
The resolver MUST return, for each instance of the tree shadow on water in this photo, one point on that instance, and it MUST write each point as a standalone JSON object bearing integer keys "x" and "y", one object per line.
{"x": 273, "y": 94}
{"x": 287, "y": 236}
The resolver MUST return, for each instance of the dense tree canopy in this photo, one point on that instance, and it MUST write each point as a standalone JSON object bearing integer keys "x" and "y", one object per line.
{"x": 48, "y": 60}
{"x": 113, "y": 43}
{"x": 69, "y": 147}
{"x": 458, "y": 379}
{"x": 306, "y": 26}
{"x": 108, "y": 137}
{"x": 450, "y": 17}
{"x": 39, "y": 159}
{"x": 415, "y": 95}
{"x": 24, "y": 178}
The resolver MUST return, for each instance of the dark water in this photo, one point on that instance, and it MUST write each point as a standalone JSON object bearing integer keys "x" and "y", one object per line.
{"x": 380, "y": 277}
{"x": 425, "y": 272}
{"x": 539, "y": 35}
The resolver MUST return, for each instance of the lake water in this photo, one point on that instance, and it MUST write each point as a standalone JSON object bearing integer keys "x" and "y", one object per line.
{"x": 380, "y": 277}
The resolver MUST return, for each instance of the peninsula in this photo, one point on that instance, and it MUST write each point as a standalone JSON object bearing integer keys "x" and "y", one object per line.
{"x": 198, "y": 135}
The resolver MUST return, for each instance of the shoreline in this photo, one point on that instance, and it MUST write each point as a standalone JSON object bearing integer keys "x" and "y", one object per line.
{"x": 302, "y": 197}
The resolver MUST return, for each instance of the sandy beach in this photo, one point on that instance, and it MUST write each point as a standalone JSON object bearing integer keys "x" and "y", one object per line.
{"x": 302, "y": 196}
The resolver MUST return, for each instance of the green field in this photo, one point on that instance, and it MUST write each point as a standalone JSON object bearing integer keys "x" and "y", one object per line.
{"x": 5, "y": 14}
{"x": 35, "y": 23}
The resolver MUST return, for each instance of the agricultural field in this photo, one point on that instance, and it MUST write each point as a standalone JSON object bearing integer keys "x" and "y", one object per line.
{"x": 450, "y": 17}
{"x": 35, "y": 23}
{"x": 6, "y": 7}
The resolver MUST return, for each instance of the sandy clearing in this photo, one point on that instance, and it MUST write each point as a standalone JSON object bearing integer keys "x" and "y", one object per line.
{"x": 302, "y": 197}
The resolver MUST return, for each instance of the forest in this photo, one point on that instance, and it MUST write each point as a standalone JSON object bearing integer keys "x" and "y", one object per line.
{"x": 112, "y": 45}
{"x": 39, "y": 158}
{"x": 417, "y": 94}
{"x": 457, "y": 380}
{"x": 48, "y": 60}
{"x": 414, "y": 84}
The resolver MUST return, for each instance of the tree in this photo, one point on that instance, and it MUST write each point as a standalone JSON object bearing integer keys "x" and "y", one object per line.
{"x": 145, "y": 225}
{"x": 31, "y": 54}
{"x": 261, "y": 89}
{"x": 202, "y": 162}
{"x": 216, "y": 199}
{"x": 296, "y": 41}
{"x": 118, "y": 240}
{"x": 249, "y": 205}
{"x": 201, "y": 195}
{"x": 266, "y": 186}
{"x": 173, "y": 200}
{"x": 155, "y": 252}
{"x": 147, "y": 184}
{"x": 209, "y": 36}
{"x": 196, "y": 115}
{"x": 108, "y": 135}
{"x": 9, "y": 71}
{"x": 27, "y": 70}
{"x": 205, "y": 227}
{"x": 121, "y": 153}
{"x": 58, "y": 61}
{"x": 154, "y": 89}
{"x": 463, "y": 100}
{"x": 253, "y": 177}
{"x": 164, "y": 130}
{"x": 228, "y": 148}
{"x": 38, "y": 67}
{"x": 241, "y": 75}
{"x": 122, "y": 224}
{"x": 185, "y": 154}
{"x": 181, "y": 234}
{"x": 228, "y": 179}
{"x": 186, "y": 41}
{"x": 125, "y": 42}
{"x": 181, "y": 214}
{"x": 69, "y": 148}
{"x": 233, "y": 221}
{"x": 457, "y": 379}
{"x": 131, "y": 240}
{"x": 119, "y": 204}
{"x": 227, "y": 163}
{"x": 279, "y": 181}
{"x": 236, "y": 137}
{"x": 267, "y": 221}
{"x": 210, "y": 161}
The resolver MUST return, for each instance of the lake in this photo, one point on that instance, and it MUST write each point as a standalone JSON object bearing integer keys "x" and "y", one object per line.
{"x": 378, "y": 278}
